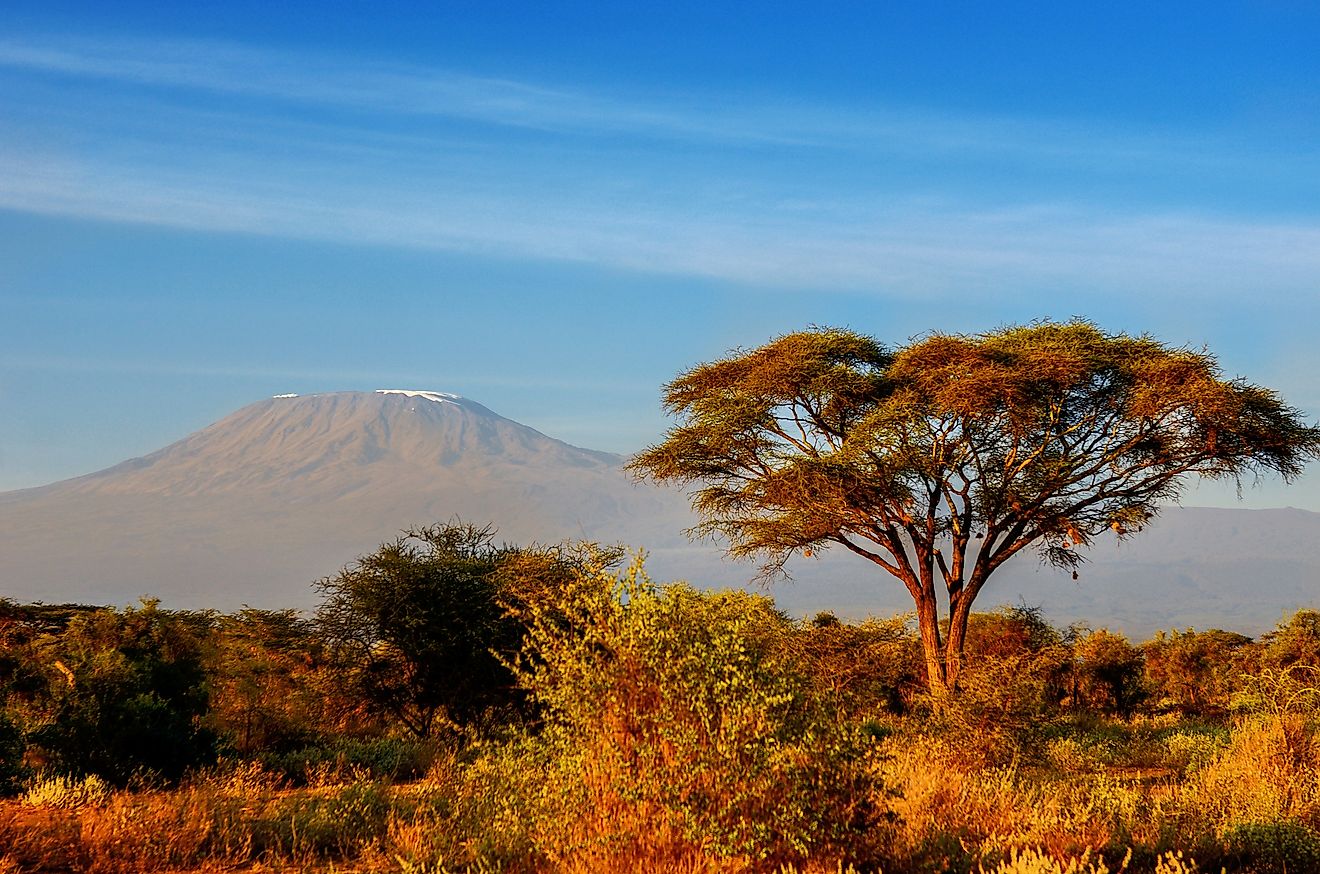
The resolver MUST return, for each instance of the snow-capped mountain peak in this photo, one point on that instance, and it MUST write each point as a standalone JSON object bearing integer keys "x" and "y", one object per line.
{"x": 440, "y": 397}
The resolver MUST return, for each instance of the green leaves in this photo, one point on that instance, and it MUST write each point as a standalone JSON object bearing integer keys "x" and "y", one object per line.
{"x": 416, "y": 625}
{"x": 680, "y": 710}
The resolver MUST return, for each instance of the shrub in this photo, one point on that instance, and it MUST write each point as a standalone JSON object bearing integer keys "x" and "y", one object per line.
{"x": 415, "y": 625}
{"x": 424, "y": 627}
{"x": 1192, "y": 750}
{"x": 1035, "y": 862}
{"x": 1107, "y": 673}
{"x": 676, "y": 718}
{"x": 128, "y": 697}
{"x": 1295, "y": 689}
{"x": 1002, "y": 709}
{"x": 1270, "y": 771}
{"x": 1294, "y": 642}
{"x": 1267, "y": 847}
{"x": 868, "y": 667}
{"x": 341, "y": 759}
{"x": 12, "y": 747}
{"x": 271, "y": 687}
{"x": 1195, "y": 672}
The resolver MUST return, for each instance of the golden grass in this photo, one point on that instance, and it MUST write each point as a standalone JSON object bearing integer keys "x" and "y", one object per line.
{"x": 511, "y": 807}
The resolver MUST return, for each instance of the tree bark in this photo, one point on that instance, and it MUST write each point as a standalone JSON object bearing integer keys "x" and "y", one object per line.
{"x": 959, "y": 612}
{"x": 928, "y": 623}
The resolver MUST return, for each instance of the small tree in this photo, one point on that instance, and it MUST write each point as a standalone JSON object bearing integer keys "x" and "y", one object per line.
{"x": 417, "y": 625}
{"x": 1107, "y": 673}
{"x": 126, "y": 695}
{"x": 269, "y": 679}
{"x": 1197, "y": 672}
{"x": 941, "y": 460}
{"x": 1295, "y": 641}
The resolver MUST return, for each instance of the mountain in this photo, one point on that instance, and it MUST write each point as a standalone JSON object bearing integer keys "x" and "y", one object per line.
{"x": 253, "y": 508}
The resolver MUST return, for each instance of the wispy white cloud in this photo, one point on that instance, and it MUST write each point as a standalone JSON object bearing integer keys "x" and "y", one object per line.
{"x": 383, "y": 89}
{"x": 916, "y": 248}
{"x": 363, "y": 85}
{"x": 249, "y": 169}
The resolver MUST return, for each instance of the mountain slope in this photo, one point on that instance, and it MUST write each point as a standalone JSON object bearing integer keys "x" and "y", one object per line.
{"x": 253, "y": 508}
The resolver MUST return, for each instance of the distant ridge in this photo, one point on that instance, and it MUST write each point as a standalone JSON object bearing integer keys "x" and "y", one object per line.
{"x": 253, "y": 508}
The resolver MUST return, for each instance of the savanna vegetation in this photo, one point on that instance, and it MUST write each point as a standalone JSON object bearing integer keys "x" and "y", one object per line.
{"x": 562, "y": 712}
{"x": 459, "y": 705}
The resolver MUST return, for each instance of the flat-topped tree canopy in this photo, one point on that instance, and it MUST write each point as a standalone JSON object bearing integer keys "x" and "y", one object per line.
{"x": 943, "y": 458}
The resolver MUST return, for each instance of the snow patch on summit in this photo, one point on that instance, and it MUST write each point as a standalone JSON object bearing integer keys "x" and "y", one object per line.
{"x": 439, "y": 397}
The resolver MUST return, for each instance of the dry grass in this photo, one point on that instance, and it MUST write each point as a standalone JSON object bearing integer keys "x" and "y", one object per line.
{"x": 518, "y": 807}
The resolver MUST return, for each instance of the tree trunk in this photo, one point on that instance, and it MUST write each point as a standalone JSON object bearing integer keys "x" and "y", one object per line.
{"x": 959, "y": 612}
{"x": 928, "y": 622}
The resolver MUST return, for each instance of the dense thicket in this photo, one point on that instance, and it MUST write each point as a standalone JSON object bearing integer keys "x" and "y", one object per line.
{"x": 148, "y": 691}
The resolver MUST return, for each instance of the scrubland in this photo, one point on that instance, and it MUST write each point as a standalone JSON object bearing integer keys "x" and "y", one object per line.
{"x": 628, "y": 726}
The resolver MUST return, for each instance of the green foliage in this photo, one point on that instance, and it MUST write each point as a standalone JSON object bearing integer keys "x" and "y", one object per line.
{"x": 419, "y": 629}
{"x": 1270, "y": 847}
{"x": 1107, "y": 673}
{"x": 343, "y": 757}
{"x": 1196, "y": 673}
{"x": 1294, "y": 642}
{"x": 1191, "y": 748}
{"x": 688, "y": 731}
{"x": 126, "y": 695}
{"x": 679, "y": 712}
{"x": 12, "y": 747}
{"x": 333, "y": 823}
{"x": 942, "y": 459}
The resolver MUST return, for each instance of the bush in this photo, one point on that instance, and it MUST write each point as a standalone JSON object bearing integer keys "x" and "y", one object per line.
{"x": 347, "y": 758}
{"x": 12, "y": 747}
{"x": 1294, "y": 642}
{"x": 271, "y": 687}
{"x": 676, "y": 719}
{"x": 1189, "y": 750}
{"x": 1268, "y": 847}
{"x": 1270, "y": 771}
{"x": 1013, "y": 677}
{"x": 1107, "y": 673}
{"x": 1195, "y": 672}
{"x": 416, "y": 624}
{"x": 424, "y": 627}
{"x": 869, "y": 667}
{"x": 128, "y": 698}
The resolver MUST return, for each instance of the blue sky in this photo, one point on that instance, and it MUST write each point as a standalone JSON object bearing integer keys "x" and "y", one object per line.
{"x": 554, "y": 208}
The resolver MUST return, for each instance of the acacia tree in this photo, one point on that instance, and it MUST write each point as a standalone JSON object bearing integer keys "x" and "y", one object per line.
{"x": 940, "y": 460}
{"x": 425, "y": 626}
{"x": 416, "y": 625}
